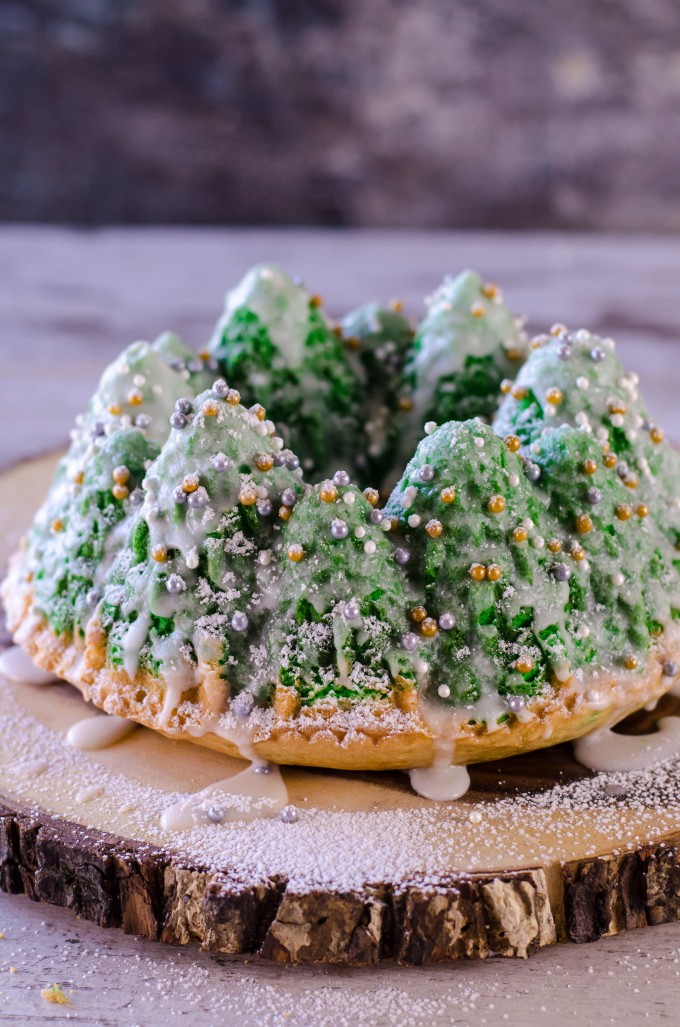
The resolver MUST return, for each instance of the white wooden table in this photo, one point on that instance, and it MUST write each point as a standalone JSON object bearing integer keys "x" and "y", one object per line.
{"x": 68, "y": 303}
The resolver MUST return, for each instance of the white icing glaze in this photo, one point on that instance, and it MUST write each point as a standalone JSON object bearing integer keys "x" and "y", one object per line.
{"x": 607, "y": 751}
{"x": 89, "y": 793}
{"x": 16, "y": 665}
{"x": 259, "y": 791}
{"x": 440, "y": 782}
{"x": 99, "y": 731}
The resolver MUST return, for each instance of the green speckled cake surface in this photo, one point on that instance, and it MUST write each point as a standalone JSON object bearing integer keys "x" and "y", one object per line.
{"x": 224, "y": 510}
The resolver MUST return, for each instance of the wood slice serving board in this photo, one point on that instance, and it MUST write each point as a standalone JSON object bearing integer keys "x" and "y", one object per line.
{"x": 538, "y": 851}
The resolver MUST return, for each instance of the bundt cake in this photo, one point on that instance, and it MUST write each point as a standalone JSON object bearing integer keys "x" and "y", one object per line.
{"x": 357, "y": 545}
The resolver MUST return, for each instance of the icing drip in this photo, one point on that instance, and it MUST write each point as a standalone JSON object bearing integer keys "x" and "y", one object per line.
{"x": 440, "y": 782}
{"x": 99, "y": 732}
{"x": 259, "y": 791}
{"x": 89, "y": 793}
{"x": 16, "y": 665}
{"x": 607, "y": 751}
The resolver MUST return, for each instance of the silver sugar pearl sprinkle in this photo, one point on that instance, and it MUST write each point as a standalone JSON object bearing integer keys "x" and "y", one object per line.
{"x": 242, "y": 705}
{"x": 532, "y": 471}
{"x": 426, "y": 472}
{"x": 351, "y": 610}
{"x": 197, "y": 499}
{"x": 409, "y": 642}
{"x": 376, "y": 516}
{"x": 136, "y": 497}
{"x": 289, "y": 815}
{"x": 339, "y": 529}
{"x": 597, "y": 354}
{"x": 264, "y": 507}
{"x": 92, "y": 597}
{"x": 341, "y": 478}
{"x": 516, "y": 703}
{"x": 447, "y": 621}
{"x": 239, "y": 621}
{"x": 561, "y": 572}
{"x": 142, "y": 421}
{"x": 175, "y": 584}
{"x": 195, "y": 366}
{"x": 593, "y": 495}
{"x": 220, "y": 462}
{"x": 292, "y": 463}
{"x": 178, "y": 420}
{"x": 402, "y": 556}
{"x": 670, "y": 669}
{"x": 288, "y": 497}
{"x": 262, "y": 768}
{"x": 179, "y": 495}
{"x": 564, "y": 351}
{"x": 215, "y": 814}
{"x": 184, "y": 405}
{"x": 220, "y": 388}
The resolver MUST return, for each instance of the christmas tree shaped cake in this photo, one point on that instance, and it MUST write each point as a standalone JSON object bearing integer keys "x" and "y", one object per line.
{"x": 97, "y": 484}
{"x": 340, "y": 630}
{"x": 466, "y": 345}
{"x": 274, "y": 344}
{"x": 576, "y": 378}
{"x": 495, "y": 607}
{"x": 198, "y": 578}
{"x": 377, "y": 340}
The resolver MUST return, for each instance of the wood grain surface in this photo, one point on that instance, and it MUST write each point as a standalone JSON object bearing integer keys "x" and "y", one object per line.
{"x": 69, "y": 302}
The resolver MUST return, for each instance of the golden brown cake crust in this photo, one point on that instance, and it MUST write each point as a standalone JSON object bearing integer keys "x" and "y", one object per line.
{"x": 383, "y": 738}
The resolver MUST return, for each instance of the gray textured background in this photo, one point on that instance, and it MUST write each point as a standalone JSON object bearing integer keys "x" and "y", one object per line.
{"x": 458, "y": 113}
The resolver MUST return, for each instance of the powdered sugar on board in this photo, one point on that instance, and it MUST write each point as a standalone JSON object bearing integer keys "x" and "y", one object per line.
{"x": 343, "y": 848}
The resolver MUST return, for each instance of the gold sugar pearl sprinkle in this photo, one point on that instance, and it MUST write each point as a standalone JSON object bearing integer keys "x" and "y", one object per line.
{"x": 506, "y": 386}
{"x": 429, "y": 627}
{"x": 58, "y": 524}
{"x": 328, "y": 492}
{"x": 447, "y": 495}
{"x": 514, "y": 354}
{"x": 211, "y": 408}
{"x": 642, "y": 509}
{"x": 584, "y": 524}
{"x": 623, "y": 511}
{"x": 589, "y": 466}
{"x": 115, "y": 409}
{"x": 656, "y": 630}
{"x": 135, "y": 398}
{"x": 558, "y": 329}
{"x": 396, "y": 305}
{"x": 493, "y": 572}
{"x": 656, "y": 435}
{"x": 120, "y": 491}
{"x": 519, "y": 392}
{"x": 247, "y": 496}
{"x": 554, "y": 396}
{"x": 258, "y": 410}
{"x": 264, "y": 462}
{"x": 630, "y": 481}
{"x": 295, "y": 552}
{"x": 285, "y": 513}
{"x": 491, "y": 291}
{"x": 120, "y": 475}
{"x": 630, "y": 662}
{"x": 496, "y": 504}
{"x": 316, "y": 300}
{"x": 204, "y": 355}
{"x": 405, "y": 403}
{"x": 610, "y": 460}
{"x": 512, "y": 442}
{"x": 190, "y": 483}
{"x": 78, "y": 477}
{"x": 577, "y": 553}
{"x": 352, "y": 342}
{"x": 434, "y": 528}
{"x": 160, "y": 554}
{"x": 524, "y": 665}
{"x": 418, "y": 614}
{"x": 477, "y": 572}
{"x": 617, "y": 407}
{"x": 233, "y": 397}
{"x": 554, "y": 545}
{"x": 478, "y": 310}
{"x": 372, "y": 496}
{"x": 520, "y": 535}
